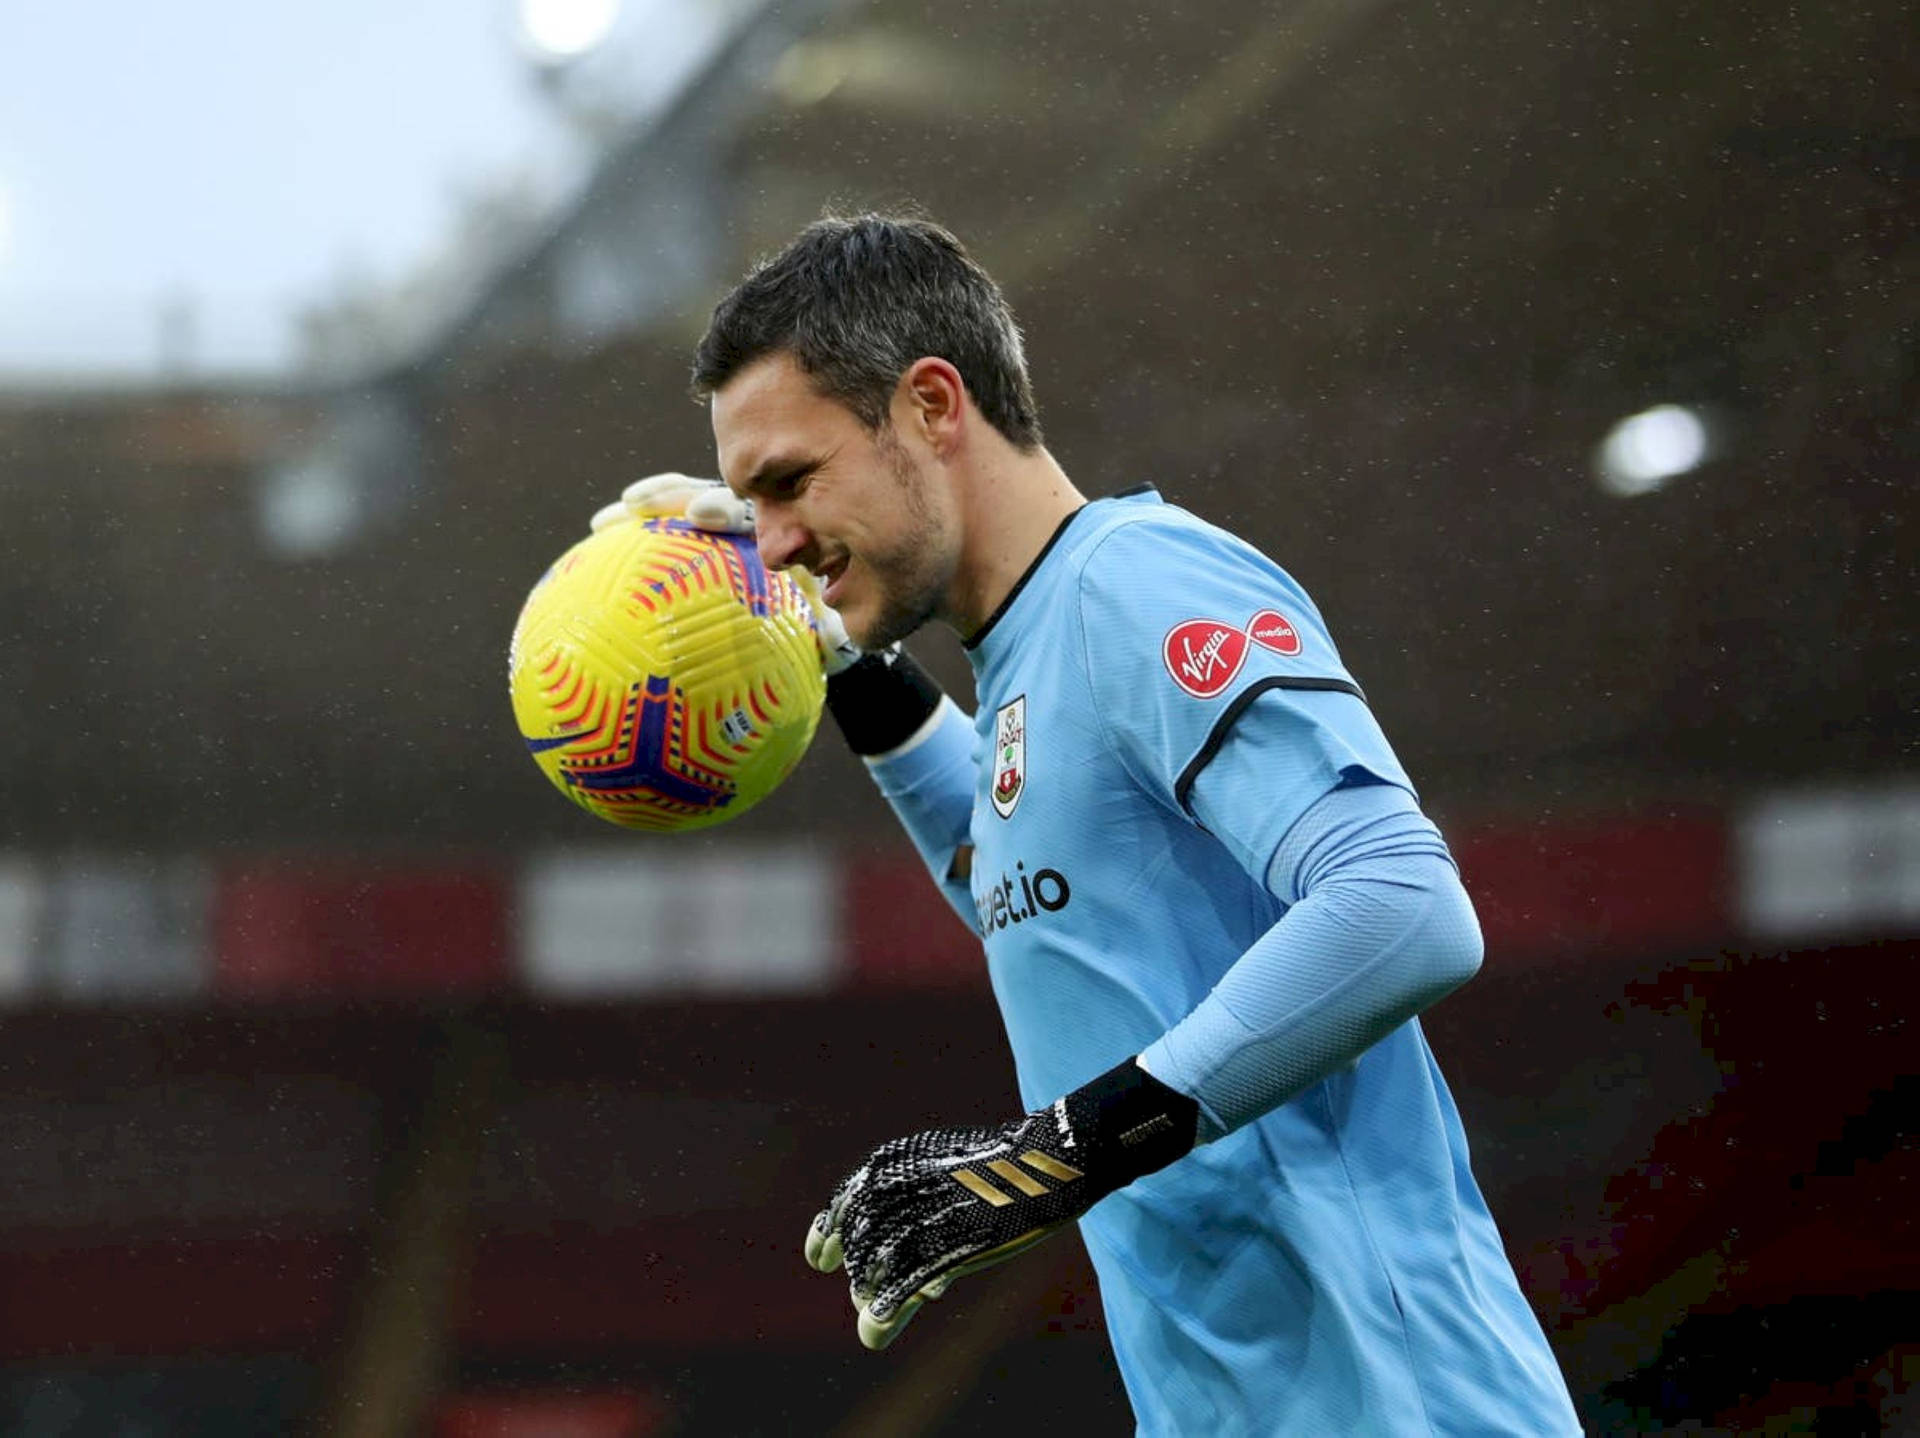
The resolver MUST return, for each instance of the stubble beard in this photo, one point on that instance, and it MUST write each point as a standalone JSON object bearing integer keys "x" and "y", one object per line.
{"x": 912, "y": 576}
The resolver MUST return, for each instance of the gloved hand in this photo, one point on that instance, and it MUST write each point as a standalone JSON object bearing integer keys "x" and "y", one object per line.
{"x": 704, "y": 503}
{"x": 709, "y": 504}
{"x": 925, "y": 1210}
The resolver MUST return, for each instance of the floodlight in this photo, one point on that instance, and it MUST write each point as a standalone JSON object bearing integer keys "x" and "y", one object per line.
{"x": 561, "y": 30}
{"x": 1643, "y": 451}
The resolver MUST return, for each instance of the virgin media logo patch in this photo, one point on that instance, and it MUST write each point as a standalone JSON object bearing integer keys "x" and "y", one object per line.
{"x": 1203, "y": 655}
{"x": 1275, "y": 630}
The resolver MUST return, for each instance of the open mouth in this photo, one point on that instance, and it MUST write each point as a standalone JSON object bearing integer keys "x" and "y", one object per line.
{"x": 831, "y": 578}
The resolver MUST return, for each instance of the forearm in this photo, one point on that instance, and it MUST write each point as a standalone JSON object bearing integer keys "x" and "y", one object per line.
{"x": 1382, "y": 930}
{"x": 924, "y": 764}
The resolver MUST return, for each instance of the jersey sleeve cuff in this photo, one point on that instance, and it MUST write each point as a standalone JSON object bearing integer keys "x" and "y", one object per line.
{"x": 1156, "y": 1060}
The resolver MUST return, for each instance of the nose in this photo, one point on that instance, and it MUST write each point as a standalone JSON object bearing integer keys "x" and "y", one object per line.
{"x": 780, "y": 537}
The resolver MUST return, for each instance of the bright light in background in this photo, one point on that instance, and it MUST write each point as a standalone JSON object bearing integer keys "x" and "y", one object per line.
{"x": 6, "y": 217}
{"x": 309, "y": 508}
{"x": 809, "y": 72}
{"x": 391, "y": 159}
{"x": 567, "y": 29}
{"x": 1642, "y": 452}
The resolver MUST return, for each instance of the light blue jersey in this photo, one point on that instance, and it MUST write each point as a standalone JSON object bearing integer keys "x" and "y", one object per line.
{"x": 1159, "y": 705}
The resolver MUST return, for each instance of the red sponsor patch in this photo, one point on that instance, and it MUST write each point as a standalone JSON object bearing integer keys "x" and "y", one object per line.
{"x": 1275, "y": 630}
{"x": 1203, "y": 655}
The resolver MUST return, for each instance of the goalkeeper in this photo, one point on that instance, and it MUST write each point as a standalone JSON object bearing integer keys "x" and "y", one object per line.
{"x": 1210, "y": 903}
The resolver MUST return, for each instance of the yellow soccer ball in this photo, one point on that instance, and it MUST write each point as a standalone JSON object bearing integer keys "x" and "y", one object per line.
{"x": 663, "y": 677}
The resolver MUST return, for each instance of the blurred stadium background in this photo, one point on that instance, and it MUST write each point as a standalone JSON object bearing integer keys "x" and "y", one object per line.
{"x": 352, "y": 1083}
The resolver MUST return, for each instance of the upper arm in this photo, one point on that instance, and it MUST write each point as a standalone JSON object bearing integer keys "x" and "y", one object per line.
{"x": 1215, "y": 680}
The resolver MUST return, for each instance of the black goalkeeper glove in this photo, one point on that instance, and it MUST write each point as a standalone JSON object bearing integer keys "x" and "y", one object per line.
{"x": 925, "y": 1210}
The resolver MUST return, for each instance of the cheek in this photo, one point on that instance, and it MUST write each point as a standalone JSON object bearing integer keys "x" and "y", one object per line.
{"x": 908, "y": 544}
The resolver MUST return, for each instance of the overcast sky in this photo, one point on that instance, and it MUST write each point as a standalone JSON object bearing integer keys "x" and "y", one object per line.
{"x": 238, "y": 159}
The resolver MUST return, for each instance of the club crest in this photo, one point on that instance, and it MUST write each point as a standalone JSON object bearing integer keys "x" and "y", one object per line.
{"x": 1009, "y": 756}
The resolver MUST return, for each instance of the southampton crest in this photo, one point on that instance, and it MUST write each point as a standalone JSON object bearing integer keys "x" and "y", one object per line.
{"x": 1009, "y": 756}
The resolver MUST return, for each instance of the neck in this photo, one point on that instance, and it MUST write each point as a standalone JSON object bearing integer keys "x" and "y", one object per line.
{"x": 1010, "y": 507}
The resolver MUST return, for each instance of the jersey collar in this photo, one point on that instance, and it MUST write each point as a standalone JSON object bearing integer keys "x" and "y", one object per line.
{"x": 1039, "y": 559}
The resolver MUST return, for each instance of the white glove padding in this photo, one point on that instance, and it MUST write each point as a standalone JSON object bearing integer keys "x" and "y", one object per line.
{"x": 709, "y": 504}
{"x": 837, "y": 649}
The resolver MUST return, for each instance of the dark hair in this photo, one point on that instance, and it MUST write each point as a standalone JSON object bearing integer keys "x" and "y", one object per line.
{"x": 855, "y": 301}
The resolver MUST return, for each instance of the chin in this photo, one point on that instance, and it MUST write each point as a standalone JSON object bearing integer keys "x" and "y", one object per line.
{"x": 866, "y": 635}
{"x": 888, "y": 628}
{"x": 880, "y": 615}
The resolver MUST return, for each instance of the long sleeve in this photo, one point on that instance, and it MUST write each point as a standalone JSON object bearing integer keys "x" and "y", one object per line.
{"x": 1378, "y": 928}
{"x": 929, "y": 781}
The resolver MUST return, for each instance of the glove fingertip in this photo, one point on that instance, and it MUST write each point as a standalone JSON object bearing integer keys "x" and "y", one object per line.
{"x": 877, "y": 1333}
{"x": 607, "y": 514}
{"x": 719, "y": 509}
{"x": 823, "y": 1247}
{"x": 655, "y": 485}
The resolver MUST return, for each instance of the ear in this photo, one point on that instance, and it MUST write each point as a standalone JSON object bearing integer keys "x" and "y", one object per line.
{"x": 935, "y": 400}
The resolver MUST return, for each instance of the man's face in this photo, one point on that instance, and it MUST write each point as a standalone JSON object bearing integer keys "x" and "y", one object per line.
{"x": 855, "y": 506}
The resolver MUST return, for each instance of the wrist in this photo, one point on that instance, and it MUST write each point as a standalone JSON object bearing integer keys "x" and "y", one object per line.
{"x": 881, "y": 701}
{"x": 928, "y": 728}
{"x": 1129, "y": 1123}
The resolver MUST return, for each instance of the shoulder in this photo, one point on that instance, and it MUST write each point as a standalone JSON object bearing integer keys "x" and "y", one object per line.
{"x": 1137, "y": 528}
{"x": 1181, "y": 630}
{"x": 1129, "y": 543}
{"x": 1160, "y": 583}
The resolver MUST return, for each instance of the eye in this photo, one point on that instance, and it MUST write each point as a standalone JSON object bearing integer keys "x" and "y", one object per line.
{"x": 792, "y": 484}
